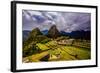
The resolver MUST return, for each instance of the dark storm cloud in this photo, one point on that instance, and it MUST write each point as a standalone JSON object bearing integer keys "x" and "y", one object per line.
{"x": 65, "y": 21}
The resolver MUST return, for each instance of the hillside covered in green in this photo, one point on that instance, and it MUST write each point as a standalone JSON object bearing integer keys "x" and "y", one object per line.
{"x": 54, "y": 47}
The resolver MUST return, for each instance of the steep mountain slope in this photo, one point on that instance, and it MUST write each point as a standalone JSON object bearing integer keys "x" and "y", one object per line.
{"x": 53, "y": 32}
{"x": 29, "y": 47}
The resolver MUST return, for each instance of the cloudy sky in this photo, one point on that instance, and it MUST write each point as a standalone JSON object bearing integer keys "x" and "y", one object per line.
{"x": 65, "y": 21}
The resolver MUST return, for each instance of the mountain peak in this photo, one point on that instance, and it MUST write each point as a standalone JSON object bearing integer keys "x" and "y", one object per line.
{"x": 53, "y": 32}
{"x": 36, "y": 31}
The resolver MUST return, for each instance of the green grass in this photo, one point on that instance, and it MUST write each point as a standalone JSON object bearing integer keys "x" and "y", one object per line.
{"x": 36, "y": 57}
{"x": 42, "y": 46}
{"x": 59, "y": 52}
{"x": 80, "y": 52}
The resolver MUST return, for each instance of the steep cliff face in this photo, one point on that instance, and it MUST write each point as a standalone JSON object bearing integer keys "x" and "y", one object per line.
{"x": 53, "y": 32}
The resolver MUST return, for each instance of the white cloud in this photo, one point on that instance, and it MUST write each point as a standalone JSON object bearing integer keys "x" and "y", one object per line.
{"x": 35, "y": 13}
{"x": 27, "y": 16}
{"x": 65, "y": 21}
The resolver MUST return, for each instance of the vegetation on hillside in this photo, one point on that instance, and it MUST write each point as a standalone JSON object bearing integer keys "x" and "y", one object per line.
{"x": 54, "y": 47}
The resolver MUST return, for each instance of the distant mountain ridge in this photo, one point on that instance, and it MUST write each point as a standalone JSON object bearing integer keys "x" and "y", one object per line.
{"x": 53, "y": 32}
{"x": 78, "y": 34}
{"x": 44, "y": 32}
{"x": 26, "y": 34}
